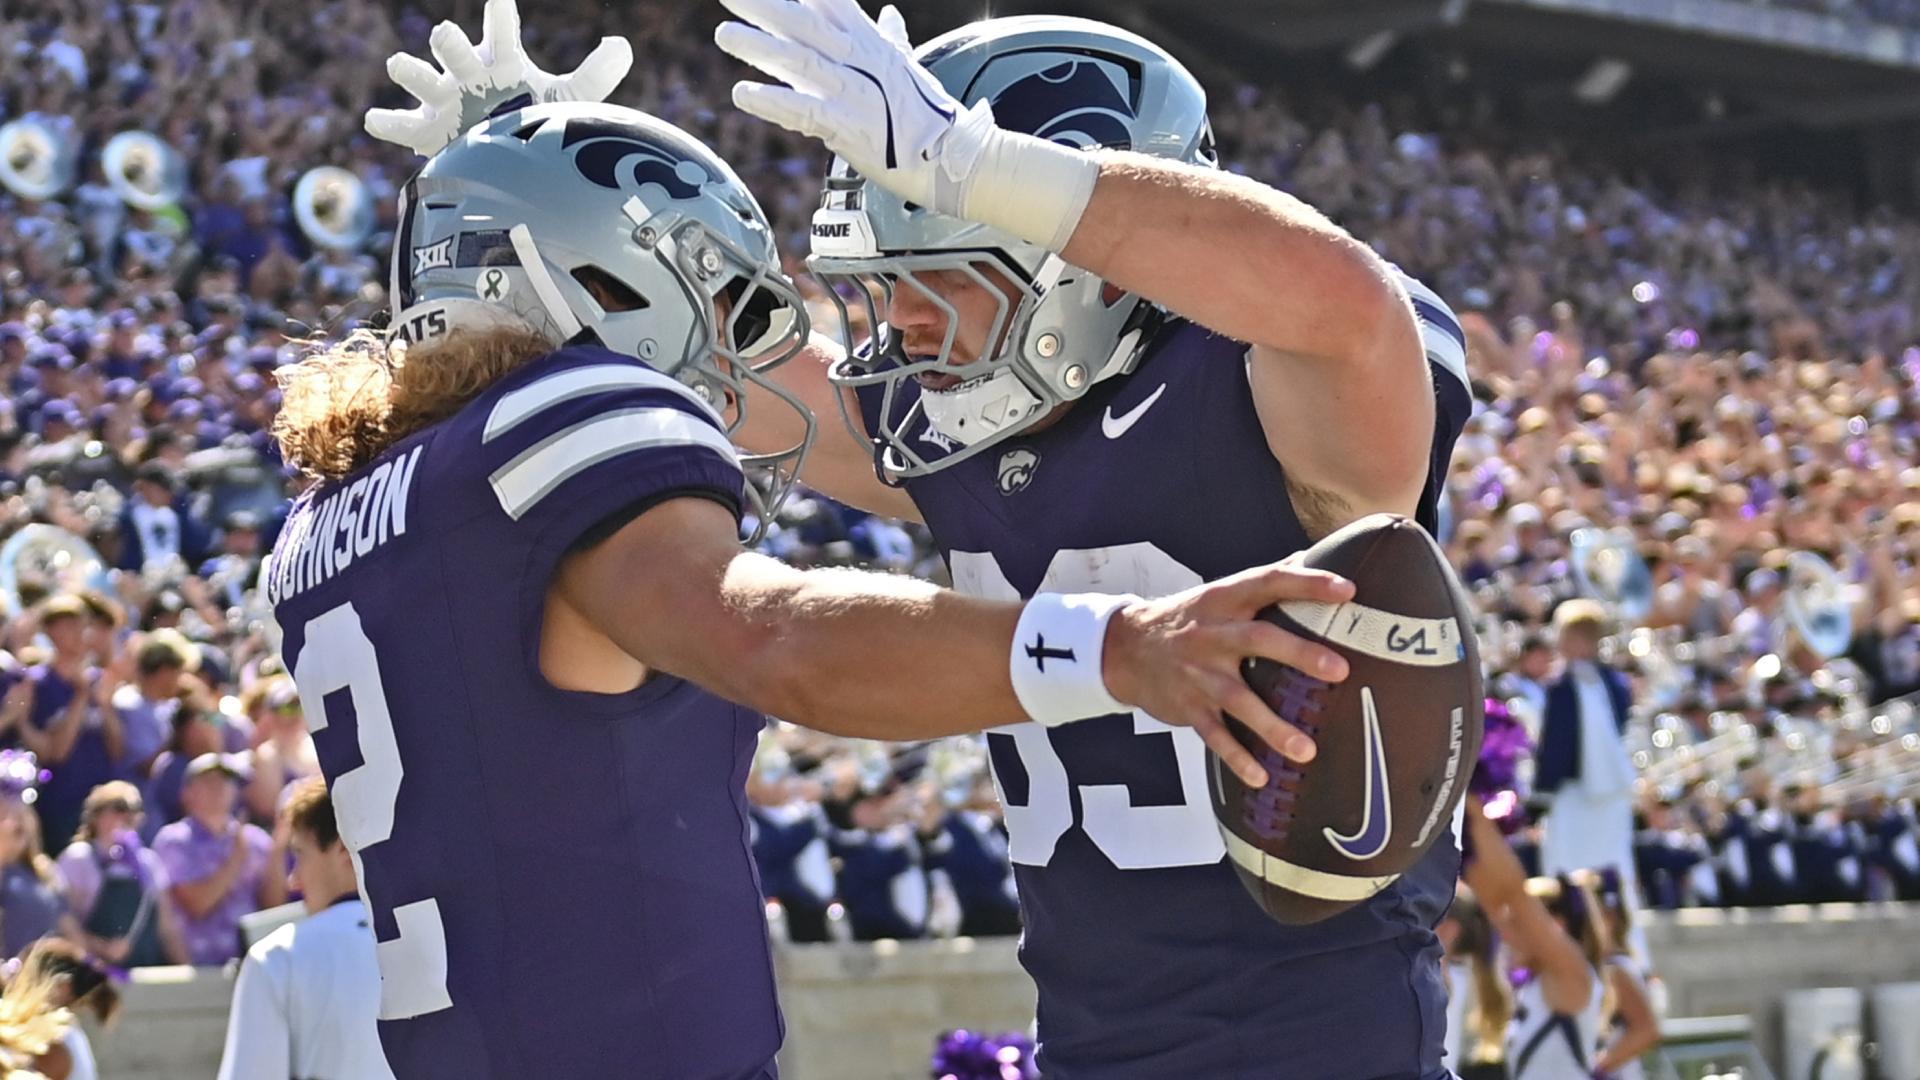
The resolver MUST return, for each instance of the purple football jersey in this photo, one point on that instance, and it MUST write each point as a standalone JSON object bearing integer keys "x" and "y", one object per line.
{"x": 1150, "y": 958}
{"x": 561, "y": 882}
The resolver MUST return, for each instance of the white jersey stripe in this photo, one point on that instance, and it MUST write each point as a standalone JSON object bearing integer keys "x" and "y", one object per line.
{"x": 520, "y": 405}
{"x": 1440, "y": 331}
{"x": 523, "y": 482}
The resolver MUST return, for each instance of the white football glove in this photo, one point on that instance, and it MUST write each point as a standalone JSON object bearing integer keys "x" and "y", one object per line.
{"x": 473, "y": 80}
{"x": 853, "y": 83}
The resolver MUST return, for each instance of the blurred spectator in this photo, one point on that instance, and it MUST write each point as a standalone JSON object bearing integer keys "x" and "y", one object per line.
{"x": 116, "y": 887}
{"x": 58, "y": 714}
{"x": 790, "y": 846}
{"x": 877, "y": 841}
{"x": 158, "y": 528}
{"x": 219, "y": 867}
{"x": 1583, "y": 765}
{"x": 195, "y": 733}
{"x": 234, "y": 570}
{"x": 146, "y": 705}
{"x": 31, "y": 902}
{"x": 284, "y": 754}
{"x": 1527, "y": 682}
{"x": 972, "y": 855}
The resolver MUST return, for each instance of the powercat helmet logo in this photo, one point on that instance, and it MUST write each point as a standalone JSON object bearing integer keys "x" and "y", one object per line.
{"x": 628, "y": 157}
{"x": 1075, "y": 102}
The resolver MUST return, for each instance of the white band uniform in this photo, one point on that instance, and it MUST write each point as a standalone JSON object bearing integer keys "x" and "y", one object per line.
{"x": 1057, "y": 657}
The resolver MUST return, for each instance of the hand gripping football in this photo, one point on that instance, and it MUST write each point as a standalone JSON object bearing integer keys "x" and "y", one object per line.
{"x": 1397, "y": 740}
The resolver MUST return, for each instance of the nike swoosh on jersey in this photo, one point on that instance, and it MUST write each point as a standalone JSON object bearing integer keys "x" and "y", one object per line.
{"x": 1115, "y": 426}
{"x": 1376, "y": 820}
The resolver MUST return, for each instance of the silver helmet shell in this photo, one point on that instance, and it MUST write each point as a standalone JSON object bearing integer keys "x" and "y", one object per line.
{"x": 537, "y": 214}
{"x": 1060, "y": 329}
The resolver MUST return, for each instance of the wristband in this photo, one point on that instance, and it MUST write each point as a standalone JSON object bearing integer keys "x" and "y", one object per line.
{"x": 1035, "y": 189}
{"x": 1056, "y": 662}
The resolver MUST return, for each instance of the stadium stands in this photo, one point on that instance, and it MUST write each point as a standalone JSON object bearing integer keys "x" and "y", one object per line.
{"x": 1725, "y": 375}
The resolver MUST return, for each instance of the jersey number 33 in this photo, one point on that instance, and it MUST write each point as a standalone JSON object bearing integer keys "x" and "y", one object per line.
{"x": 1132, "y": 837}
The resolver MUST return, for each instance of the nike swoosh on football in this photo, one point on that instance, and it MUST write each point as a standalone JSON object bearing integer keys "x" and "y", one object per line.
{"x": 1376, "y": 821}
{"x": 1115, "y": 426}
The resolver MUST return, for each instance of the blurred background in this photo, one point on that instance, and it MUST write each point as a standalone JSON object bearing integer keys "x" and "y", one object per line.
{"x": 1684, "y": 240}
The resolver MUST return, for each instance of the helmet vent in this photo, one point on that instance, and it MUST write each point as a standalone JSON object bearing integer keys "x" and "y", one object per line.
{"x": 608, "y": 291}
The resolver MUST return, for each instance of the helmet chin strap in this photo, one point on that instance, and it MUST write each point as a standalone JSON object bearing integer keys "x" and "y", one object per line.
{"x": 564, "y": 320}
{"x": 980, "y": 409}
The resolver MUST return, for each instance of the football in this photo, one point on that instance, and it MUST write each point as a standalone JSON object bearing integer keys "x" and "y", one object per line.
{"x": 1397, "y": 739}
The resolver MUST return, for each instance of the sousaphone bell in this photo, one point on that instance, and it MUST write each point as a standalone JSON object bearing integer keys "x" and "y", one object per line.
{"x": 36, "y": 160}
{"x": 1608, "y": 567}
{"x": 333, "y": 208}
{"x": 1817, "y": 606}
{"x": 143, "y": 171}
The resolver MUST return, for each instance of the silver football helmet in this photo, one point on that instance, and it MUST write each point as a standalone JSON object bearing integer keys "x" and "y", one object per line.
{"x": 538, "y": 215}
{"x": 1074, "y": 81}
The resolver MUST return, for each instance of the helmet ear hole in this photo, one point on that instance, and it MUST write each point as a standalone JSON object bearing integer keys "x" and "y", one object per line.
{"x": 752, "y": 320}
{"x": 612, "y": 294}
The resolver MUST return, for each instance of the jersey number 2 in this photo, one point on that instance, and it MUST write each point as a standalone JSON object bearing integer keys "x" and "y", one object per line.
{"x": 337, "y": 656}
{"x": 1132, "y": 837}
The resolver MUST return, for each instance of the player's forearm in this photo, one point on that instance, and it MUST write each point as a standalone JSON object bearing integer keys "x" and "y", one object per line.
{"x": 861, "y": 654}
{"x": 883, "y": 656}
{"x": 1234, "y": 255}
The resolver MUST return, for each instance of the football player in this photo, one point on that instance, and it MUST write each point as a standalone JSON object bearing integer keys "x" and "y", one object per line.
{"x": 533, "y": 651}
{"x": 1101, "y": 361}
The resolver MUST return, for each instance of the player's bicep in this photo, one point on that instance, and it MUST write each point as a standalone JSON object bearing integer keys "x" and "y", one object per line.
{"x": 656, "y": 588}
{"x": 1356, "y": 434}
{"x": 840, "y": 464}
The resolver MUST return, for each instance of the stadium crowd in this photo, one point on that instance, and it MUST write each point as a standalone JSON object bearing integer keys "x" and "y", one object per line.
{"x": 1724, "y": 375}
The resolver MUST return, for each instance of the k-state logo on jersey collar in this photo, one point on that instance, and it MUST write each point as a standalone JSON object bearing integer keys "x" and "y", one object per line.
{"x": 1016, "y": 470}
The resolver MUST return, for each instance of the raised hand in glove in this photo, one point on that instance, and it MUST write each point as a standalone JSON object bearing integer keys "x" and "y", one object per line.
{"x": 853, "y": 83}
{"x": 475, "y": 80}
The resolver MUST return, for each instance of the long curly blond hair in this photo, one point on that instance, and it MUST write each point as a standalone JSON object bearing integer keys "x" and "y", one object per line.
{"x": 344, "y": 404}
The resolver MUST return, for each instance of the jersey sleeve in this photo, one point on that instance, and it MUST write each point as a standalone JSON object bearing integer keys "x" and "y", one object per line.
{"x": 600, "y": 436}
{"x": 1446, "y": 347}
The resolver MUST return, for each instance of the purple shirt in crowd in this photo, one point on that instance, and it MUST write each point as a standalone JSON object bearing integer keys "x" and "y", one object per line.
{"x": 145, "y": 726}
{"x": 29, "y": 907}
{"x": 87, "y": 767}
{"x": 191, "y": 852}
{"x": 83, "y": 869}
{"x": 162, "y": 788}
